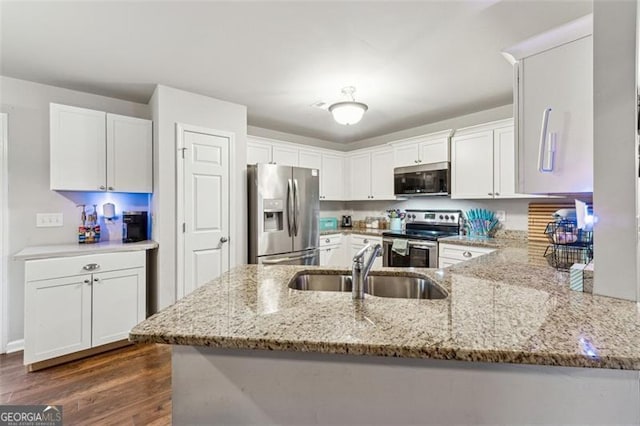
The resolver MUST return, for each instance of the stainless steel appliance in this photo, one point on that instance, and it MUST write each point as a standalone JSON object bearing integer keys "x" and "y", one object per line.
{"x": 134, "y": 226}
{"x": 346, "y": 221}
{"x": 423, "y": 179}
{"x": 423, "y": 229}
{"x": 284, "y": 212}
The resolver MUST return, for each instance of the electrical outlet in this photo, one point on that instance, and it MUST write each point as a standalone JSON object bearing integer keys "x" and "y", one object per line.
{"x": 501, "y": 215}
{"x": 48, "y": 220}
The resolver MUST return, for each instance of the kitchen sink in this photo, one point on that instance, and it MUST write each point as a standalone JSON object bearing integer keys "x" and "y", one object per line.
{"x": 402, "y": 287}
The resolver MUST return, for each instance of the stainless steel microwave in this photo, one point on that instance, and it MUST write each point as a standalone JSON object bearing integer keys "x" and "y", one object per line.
{"x": 423, "y": 179}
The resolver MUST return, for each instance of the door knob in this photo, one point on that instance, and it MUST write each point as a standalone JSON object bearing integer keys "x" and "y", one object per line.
{"x": 223, "y": 240}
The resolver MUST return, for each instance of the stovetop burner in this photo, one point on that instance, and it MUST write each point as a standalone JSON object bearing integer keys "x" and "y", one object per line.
{"x": 419, "y": 234}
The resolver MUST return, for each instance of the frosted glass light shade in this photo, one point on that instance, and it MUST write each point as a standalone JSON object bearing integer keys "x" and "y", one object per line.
{"x": 348, "y": 112}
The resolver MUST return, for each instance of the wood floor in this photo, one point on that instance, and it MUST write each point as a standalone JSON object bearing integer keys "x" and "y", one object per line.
{"x": 128, "y": 386}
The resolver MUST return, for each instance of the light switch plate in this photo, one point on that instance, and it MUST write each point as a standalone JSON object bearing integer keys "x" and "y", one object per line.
{"x": 501, "y": 215}
{"x": 48, "y": 220}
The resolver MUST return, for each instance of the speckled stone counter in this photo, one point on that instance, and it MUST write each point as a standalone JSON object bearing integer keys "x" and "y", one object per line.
{"x": 358, "y": 231}
{"x": 506, "y": 307}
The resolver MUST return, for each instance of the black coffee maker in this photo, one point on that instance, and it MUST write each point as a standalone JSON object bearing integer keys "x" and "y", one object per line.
{"x": 134, "y": 227}
{"x": 346, "y": 221}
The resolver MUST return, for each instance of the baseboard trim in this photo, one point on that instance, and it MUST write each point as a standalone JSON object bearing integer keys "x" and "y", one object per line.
{"x": 15, "y": 346}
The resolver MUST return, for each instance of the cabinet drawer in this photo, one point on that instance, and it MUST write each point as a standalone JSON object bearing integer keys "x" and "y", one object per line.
{"x": 362, "y": 240}
{"x": 330, "y": 240}
{"x": 443, "y": 262}
{"x": 43, "y": 269}
{"x": 455, "y": 252}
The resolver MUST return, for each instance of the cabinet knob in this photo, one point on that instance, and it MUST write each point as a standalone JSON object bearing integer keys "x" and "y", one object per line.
{"x": 95, "y": 280}
{"x": 467, "y": 254}
{"x": 366, "y": 241}
{"x": 490, "y": 193}
{"x": 86, "y": 281}
{"x": 497, "y": 193}
{"x": 223, "y": 240}
{"x": 327, "y": 240}
{"x": 102, "y": 187}
{"x": 110, "y": 188}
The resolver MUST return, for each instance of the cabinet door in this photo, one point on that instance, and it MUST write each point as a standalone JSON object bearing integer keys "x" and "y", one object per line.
{"x": 77, "y": 149}
{"x": 360, "y": 171}
{"x": 561, "y": 79}
{"x": 382, "y": 175}
{"x": 472, "y": 166}
{"x": 332, "y": 183}
{"x": 406, "y": 155}
{"x": 435, "y": 151}
{"x": 258, "y": 153}
{"x": 119, "y": 300}
{"x": 57, "y": 317}
{"x": 129, "y": 154}
{"x": 285, "y": 155}
{"x": 310, "y": 159}
{"x": 504, "y": 161}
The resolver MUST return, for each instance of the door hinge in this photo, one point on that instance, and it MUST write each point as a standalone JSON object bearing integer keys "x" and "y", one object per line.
{"x": 184, "y": 227}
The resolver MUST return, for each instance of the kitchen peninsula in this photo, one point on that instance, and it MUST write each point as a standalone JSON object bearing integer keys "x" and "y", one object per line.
{"x": 247, "y": 349}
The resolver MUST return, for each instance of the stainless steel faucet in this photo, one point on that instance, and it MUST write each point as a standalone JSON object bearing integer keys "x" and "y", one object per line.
{"x": 360, "y": 270}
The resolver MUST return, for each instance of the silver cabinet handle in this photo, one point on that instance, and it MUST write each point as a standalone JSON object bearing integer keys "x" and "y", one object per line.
{"x": 102, "y": 187}
{"x": 91, "y": 266}
{"x": 496, "y": 193}
{"x": 223, "y": 240}
{"x": 110, "y": 188}
{"x": 467, "y": 254}
{"x": 490, "y": 193}
{"x": 95, "y": 280}
{"x": 546, "y": 148}
{"x": 366, "y": 241}
{"x": 86, "y": 281}
{"x": 327, "y": 240}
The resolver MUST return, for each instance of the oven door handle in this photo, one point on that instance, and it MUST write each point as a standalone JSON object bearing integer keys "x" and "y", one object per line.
{"x": 422, "y": 245}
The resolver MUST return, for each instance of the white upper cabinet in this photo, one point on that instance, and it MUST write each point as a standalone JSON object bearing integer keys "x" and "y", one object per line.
{"x": 553, "y": 96}
{"x": 426, "y": 149}
{"x": 310, "y": 159}
{"x": 332, "y": 177}
{"x": 77, "y": 149}
{"x": 129, "y": 154}
{"x": 371, "y": 174}
{"x": 268, "y": 151}
{"x": 483, "y": 162}
{"x": 96, "y": 151}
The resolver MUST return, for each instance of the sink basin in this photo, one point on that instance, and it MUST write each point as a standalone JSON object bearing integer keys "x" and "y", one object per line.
{"x": 403, "y": 287}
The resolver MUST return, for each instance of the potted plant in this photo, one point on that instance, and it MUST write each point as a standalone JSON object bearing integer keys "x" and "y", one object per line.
{"x": 396, "y": 216}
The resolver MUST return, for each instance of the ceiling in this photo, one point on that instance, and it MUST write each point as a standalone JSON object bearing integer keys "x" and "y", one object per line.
{"x": 413, "y": 63}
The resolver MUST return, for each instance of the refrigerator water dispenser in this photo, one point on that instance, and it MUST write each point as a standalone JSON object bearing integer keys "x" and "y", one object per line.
{"x": 273, "y": 215}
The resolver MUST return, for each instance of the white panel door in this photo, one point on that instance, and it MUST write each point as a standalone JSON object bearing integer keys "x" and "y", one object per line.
{"x": 129, "y": 154}
{"x": 406, "y": 155}
{"x": 206, "y": 207}
{"x": 382, "y": 174}
{"x": 258, "y": 153}
{"x": 332, "y": 182}
{"x": 119, "y": 300}
{"x": 472, "y": 166}
{"x": 57, "y": 317}
{"x": 285, "y": 155}
{"x": 360, "y": 171}
{"x": 434, "y": 151}
{"x": 77, "y": 149}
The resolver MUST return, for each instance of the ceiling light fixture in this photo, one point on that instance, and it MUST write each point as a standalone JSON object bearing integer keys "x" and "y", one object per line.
{"x": 348, "y": 112}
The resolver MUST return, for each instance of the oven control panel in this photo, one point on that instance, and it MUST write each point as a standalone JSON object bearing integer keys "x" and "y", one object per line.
{"x": 434, "y": 217}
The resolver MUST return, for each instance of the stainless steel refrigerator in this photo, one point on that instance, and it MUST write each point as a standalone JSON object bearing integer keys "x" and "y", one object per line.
{"x": 284, "y": 208}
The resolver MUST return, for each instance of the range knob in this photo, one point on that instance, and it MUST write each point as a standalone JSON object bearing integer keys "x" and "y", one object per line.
{"x": 413, "y": 216}
{"x": 441, "y": 217}
{"x": 446, "y": 217}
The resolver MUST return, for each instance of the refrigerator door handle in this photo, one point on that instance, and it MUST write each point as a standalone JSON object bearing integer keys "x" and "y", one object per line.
{"x": 296, "y": 207}
{"x": 289, "y": 205}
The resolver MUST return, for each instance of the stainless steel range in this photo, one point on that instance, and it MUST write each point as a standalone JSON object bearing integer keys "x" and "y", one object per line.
{"x": 421, "y": 234}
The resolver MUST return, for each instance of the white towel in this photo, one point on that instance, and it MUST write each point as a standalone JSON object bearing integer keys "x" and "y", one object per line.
{"x": 400, "y": 246}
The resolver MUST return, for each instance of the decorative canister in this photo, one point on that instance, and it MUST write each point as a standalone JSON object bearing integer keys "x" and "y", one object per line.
{"x": 396, "y": 224}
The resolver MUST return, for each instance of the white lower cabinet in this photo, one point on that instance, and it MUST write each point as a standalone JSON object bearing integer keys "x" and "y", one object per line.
{"x": 332, "y": 251}
{"x": 359, "y": 241}
{"x": 81, "y": 302}
{"x": 451, "y": 254}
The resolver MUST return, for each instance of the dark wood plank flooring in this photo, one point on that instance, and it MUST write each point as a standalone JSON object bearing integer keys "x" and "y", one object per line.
{"x": 127, "y": 386}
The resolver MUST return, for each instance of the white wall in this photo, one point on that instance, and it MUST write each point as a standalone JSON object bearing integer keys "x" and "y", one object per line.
{"x": 27, "y": 106}
{"x": 615, "y": 149}
{"x": 170, "y": 106}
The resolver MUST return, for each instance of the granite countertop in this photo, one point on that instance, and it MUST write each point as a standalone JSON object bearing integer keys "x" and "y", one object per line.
{"x": 75, "y": 249}
{"x": 506, "y": 306}
{"x": 376, "y": 232}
